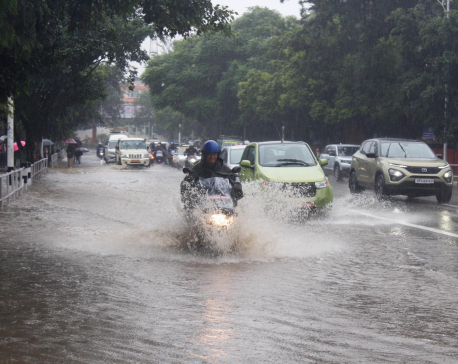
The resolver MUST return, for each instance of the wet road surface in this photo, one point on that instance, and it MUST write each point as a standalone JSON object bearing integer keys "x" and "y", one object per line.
{"x": 94, "y": 269}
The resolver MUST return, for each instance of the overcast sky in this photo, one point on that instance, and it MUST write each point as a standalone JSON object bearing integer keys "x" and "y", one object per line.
{"x": 289, "y": 7}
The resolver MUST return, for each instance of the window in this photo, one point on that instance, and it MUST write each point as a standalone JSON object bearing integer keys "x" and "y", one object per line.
{"x": 236, "y": 156}
{"x": 251, "y": 155}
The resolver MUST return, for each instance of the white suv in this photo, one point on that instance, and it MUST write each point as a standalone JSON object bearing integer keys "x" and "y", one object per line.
{"x": 339, "y": 158}
{"x": 132, "y": 151}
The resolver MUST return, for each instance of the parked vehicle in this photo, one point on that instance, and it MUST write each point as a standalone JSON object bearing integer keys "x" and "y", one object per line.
{"x": 392, "y": 166}
{"x": 339, "y": 159}
{"x": 109, "y": 150}
{"x": 132, "y": 151}
{"x": 232, "y": 155}
{"x": 290, "y": 167}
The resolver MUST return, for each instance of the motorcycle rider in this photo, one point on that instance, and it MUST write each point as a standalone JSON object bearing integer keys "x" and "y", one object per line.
{"x": 211, "y": 165}
{"x": 190, "y": 151}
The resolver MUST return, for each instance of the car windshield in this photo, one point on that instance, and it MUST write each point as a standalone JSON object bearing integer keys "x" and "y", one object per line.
{"x": 407, "y": 150}
{"x": 112, "y": 144}
{"x": 236, "y": 155}
{"x": 347, "y": 151}
{"x": 133, "y": 144}
{"x": 285, "y": 154}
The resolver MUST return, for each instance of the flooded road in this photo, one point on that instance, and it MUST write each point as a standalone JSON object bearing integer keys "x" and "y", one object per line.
{"x": 94, "y": 269}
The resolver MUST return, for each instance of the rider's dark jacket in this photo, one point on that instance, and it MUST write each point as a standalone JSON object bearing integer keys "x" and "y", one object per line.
{"x": 203, "y": 170}
{"x": 191, "y": 151}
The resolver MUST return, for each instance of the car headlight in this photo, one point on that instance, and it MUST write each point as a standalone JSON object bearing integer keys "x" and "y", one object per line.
{"x": 398, "y": 165}
{"x": 345, "y": 162}
{"x": 443, "y": 167}
{"x": 322, "y": 184}
{"x": 448, "y": 176}
{"x": 395, "y": 175}
{"x": 124, "y": 156}
{"x": 145, "y": 155}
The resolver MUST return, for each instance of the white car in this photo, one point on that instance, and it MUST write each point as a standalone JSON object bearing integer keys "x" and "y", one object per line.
{"x": 109, "y": 151}
{"x": 232, "y": 155}
{"x": 339, "y": 157}
{"x": 132, "y": 151}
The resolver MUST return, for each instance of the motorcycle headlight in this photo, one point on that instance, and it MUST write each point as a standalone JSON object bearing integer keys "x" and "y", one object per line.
{"x": 448, "y": 176}
{"x": 322, "y": 184}
{"x": 193, "y": 160}
{"x": 395, "y": 175}
{"x": 221, "y": 220}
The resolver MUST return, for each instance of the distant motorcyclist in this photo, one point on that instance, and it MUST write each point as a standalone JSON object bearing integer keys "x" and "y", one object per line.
{"x": 210, "y": 166}
{"x": 191, "y": 150}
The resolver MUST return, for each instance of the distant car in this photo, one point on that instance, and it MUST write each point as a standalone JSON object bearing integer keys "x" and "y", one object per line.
{"x": 290, "y": 167}
{"x": 391, "y": 166}
{"x": 228, "y": 140}
{"x": 339, "y": 159}
{"x": 132, "y": 151}
{"x": 109, "y": 151}
{"x": 179, "y": 158}
{"x": 232, "y": 155}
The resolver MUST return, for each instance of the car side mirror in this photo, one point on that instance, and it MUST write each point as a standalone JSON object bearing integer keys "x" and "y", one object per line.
{"x": 370, "y": 155}
{"x": 186, "y": 170}
{"x": 236, "y": 169}
{"x": 246, "y": 163}
{"x": 323, "y": 162}
{"x": 332, "y": 154}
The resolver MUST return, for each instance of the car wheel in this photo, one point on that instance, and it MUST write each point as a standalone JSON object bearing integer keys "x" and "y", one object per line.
{"x": 353, "y": 183}
{"x": 337, "y": 173}
{"x": 444, "y": 196}
{"x": 380, "y": 189}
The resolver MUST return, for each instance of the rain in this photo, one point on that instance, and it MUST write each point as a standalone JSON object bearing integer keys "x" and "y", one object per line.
{"x": 277, "y": 185}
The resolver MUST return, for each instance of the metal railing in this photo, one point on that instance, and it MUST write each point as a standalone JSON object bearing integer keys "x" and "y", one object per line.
{"x": 38, "y": 167}
{"x": 54, "y": 160}
{"x": 13, "y": 184}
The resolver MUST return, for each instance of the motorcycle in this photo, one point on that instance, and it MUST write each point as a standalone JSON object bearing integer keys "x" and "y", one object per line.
{"x": 191, "y": 160}
{"x": 159, "y": 156}
{"x": 100, "y": 152}
{"x": 210, "y": 201}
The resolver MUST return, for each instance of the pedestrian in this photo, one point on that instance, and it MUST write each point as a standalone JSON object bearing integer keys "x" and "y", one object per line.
{"x": 70, "y": 155}
{"x": 3, "y": 154}
{"x": 78, "y": 154}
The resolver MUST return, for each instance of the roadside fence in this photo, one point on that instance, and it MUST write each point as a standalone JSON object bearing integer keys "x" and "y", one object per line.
{"x": 14, "y": 183}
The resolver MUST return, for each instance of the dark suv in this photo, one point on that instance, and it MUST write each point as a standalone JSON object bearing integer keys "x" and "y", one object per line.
{"x": 400, "y": 167}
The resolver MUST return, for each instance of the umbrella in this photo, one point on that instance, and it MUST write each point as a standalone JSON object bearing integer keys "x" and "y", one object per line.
{"x": 47, "y": 142}
{"x": 16, "y": 148}
{"x": 82, "y": 150}
{"x": 69, "y": 141}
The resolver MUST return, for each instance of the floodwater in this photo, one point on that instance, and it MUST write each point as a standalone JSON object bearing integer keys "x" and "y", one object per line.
{"x": 94, "y": 269}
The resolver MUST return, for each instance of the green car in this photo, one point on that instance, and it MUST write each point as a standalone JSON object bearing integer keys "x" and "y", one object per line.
{"x": 290, "y": 167}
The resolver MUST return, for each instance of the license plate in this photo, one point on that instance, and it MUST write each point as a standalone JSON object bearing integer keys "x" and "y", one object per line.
{"x": 307, "y": 205}
{"x": 424, "y": 180}
{"x": 135, "y": 160}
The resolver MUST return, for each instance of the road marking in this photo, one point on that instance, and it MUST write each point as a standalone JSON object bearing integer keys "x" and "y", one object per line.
{"x": 438, "y": 231}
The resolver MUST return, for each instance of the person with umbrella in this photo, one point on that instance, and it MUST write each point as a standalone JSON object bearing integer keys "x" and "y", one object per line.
{"x": 78, "y": 154}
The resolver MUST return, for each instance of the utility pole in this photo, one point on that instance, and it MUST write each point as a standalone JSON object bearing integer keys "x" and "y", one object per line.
{"x": 179, "y": 134}
{"x": 10, "y": 135}
{"x": 447, "y": 10}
